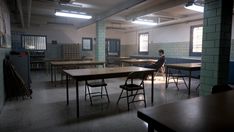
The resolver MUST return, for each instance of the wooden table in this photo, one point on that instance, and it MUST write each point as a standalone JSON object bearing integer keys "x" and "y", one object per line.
{"x": 100, "y": 73}
{"x": 48, "y": 61}
{"x": 201, "y": 114}
{"x": 124, "y": 58}
{"x": 56, "y": 64}
{"x": 138, "y": 61}
{"x": 183, "y": 66}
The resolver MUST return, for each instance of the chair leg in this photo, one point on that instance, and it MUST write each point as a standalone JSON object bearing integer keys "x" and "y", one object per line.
{"x": 85, "y": 92}
{"x": 90, "y": 96}
{"x": 107, "y": 94}
{"x": 120, "y": 96}
{"x": 176, "y": 82}
{"x": 127, "y": 99}
{"x": 134, "y": 96}
{"x": 101, "y": 90}
{"x": 144, "y": 96}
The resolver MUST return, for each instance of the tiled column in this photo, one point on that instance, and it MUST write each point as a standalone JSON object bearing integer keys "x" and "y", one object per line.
{"x": 100, "y": 41}
{"x": 216, "y": 44}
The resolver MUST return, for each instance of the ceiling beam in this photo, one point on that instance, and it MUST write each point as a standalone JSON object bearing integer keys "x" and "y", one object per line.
{"x": 50, "y": 5}
{"x": 42, "y": 20}
{"x": 29, "y": 12}
{"x": 114, "y": 10}
{"x": 156, "y": 8}
{"x": 19, "y": 5}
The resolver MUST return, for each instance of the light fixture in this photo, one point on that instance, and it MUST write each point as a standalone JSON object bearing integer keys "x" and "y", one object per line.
{"x": 144, "y": 22}
{"x": 76, "y": 4}
{"x": 195, "y": 6}
{"x": 72, "y": 15}
{"x": 72, "y": 5}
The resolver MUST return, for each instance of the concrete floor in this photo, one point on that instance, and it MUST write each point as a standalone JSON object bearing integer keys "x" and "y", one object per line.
{"x": 47, "y": 110}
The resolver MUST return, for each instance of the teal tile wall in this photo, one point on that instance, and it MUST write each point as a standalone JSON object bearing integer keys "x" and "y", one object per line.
{"x": 232, "y": 50}
{"x": 100, "y": 42}
{"x": 172, "y": 49}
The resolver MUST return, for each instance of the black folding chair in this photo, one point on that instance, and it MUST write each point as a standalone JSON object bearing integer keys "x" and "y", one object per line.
{"x": 133, "y": 83}
{"x": 221, "y": 88}
{"x": 95, "y": 84}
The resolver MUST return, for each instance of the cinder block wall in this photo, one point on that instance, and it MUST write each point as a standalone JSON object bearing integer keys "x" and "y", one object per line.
{"x": 216, "y": 44}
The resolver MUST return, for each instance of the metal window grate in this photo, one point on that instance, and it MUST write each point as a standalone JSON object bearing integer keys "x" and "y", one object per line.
{"x": 34, "y": 42}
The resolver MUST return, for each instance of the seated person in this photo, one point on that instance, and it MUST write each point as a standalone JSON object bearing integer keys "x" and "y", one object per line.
{"x": 161, "y": 60}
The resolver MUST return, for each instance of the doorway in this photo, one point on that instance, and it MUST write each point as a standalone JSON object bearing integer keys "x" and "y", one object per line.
{"x": 112, "y": 51}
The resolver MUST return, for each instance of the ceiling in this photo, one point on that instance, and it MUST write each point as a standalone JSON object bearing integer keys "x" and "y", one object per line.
{"x": 118, "y": 13}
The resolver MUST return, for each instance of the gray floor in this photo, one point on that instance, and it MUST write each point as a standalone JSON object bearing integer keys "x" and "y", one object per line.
{"x": 47, "y": 110}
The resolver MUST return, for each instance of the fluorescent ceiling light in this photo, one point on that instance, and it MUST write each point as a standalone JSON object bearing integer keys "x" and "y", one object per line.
{"x": 72, "y": 15}
{"x": 76, "y": 3}
{"x": 194, "y": 7}
{"x": 144, "y": 22}
{"x": 72, "y": 5}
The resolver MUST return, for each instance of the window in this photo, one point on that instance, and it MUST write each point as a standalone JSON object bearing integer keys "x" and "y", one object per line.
{"x": 143, "y": 43}
{"x": 196, "y": 40}
{"x": 34, "y": 42}
{"x": 87, "y": 44}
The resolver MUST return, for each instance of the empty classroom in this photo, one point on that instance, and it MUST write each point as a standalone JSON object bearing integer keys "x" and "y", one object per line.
{"x": 116, "y": 65}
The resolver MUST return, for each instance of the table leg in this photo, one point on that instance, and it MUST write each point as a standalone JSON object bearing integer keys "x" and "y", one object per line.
{"x": 152, "y": 88}
{"x": 166, "y": 84}
{"x": 67, "y": 91}
{"x": 77, "y": 99}
{"x": 55, "y": 72}
{"x": 150, "y": 128}
{"x": 189, "y": 85}
{"x": 51, "y": 73}
{"x": 47, "y": 67}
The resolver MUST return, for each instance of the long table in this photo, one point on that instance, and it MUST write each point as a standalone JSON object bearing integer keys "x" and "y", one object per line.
{"x": 100, "y": 73}
{"x": 54, "y": 65}
{"x": 137, "y": 61}
{"x": 183, "y": 66}
{"x": 201, "y": 114}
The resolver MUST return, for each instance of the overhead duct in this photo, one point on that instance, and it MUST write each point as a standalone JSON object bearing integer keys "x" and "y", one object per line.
{"x": 177, "y": 21}
{"x": 64, "y": 1}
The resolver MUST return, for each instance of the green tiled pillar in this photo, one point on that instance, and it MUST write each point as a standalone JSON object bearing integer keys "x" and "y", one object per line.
{"x": 216, "y": 43}
{"x": 100, "y": 41}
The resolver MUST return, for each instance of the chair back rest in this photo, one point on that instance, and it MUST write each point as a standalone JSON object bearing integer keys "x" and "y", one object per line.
{"x": 136, "y": 76}
{"x": 162, "y": 68}
{"x": 221, "y": 88}
{"x": 96, "y": 80}
{"x": 160, "y": 63}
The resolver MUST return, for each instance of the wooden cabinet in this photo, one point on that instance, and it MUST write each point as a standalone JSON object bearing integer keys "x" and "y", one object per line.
{"x": 71, "y": 51}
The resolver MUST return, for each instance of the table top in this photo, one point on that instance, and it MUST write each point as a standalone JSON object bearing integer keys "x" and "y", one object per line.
{"x": 124, "y": 57}
{"x": 92, "y": 73}
{"x": 76, "y": 62}
{"x": 49, "y": 60}
{"x": 139, "y": 60}
{"x": 207, "y": 113}
{"x": 184, "y": 65}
